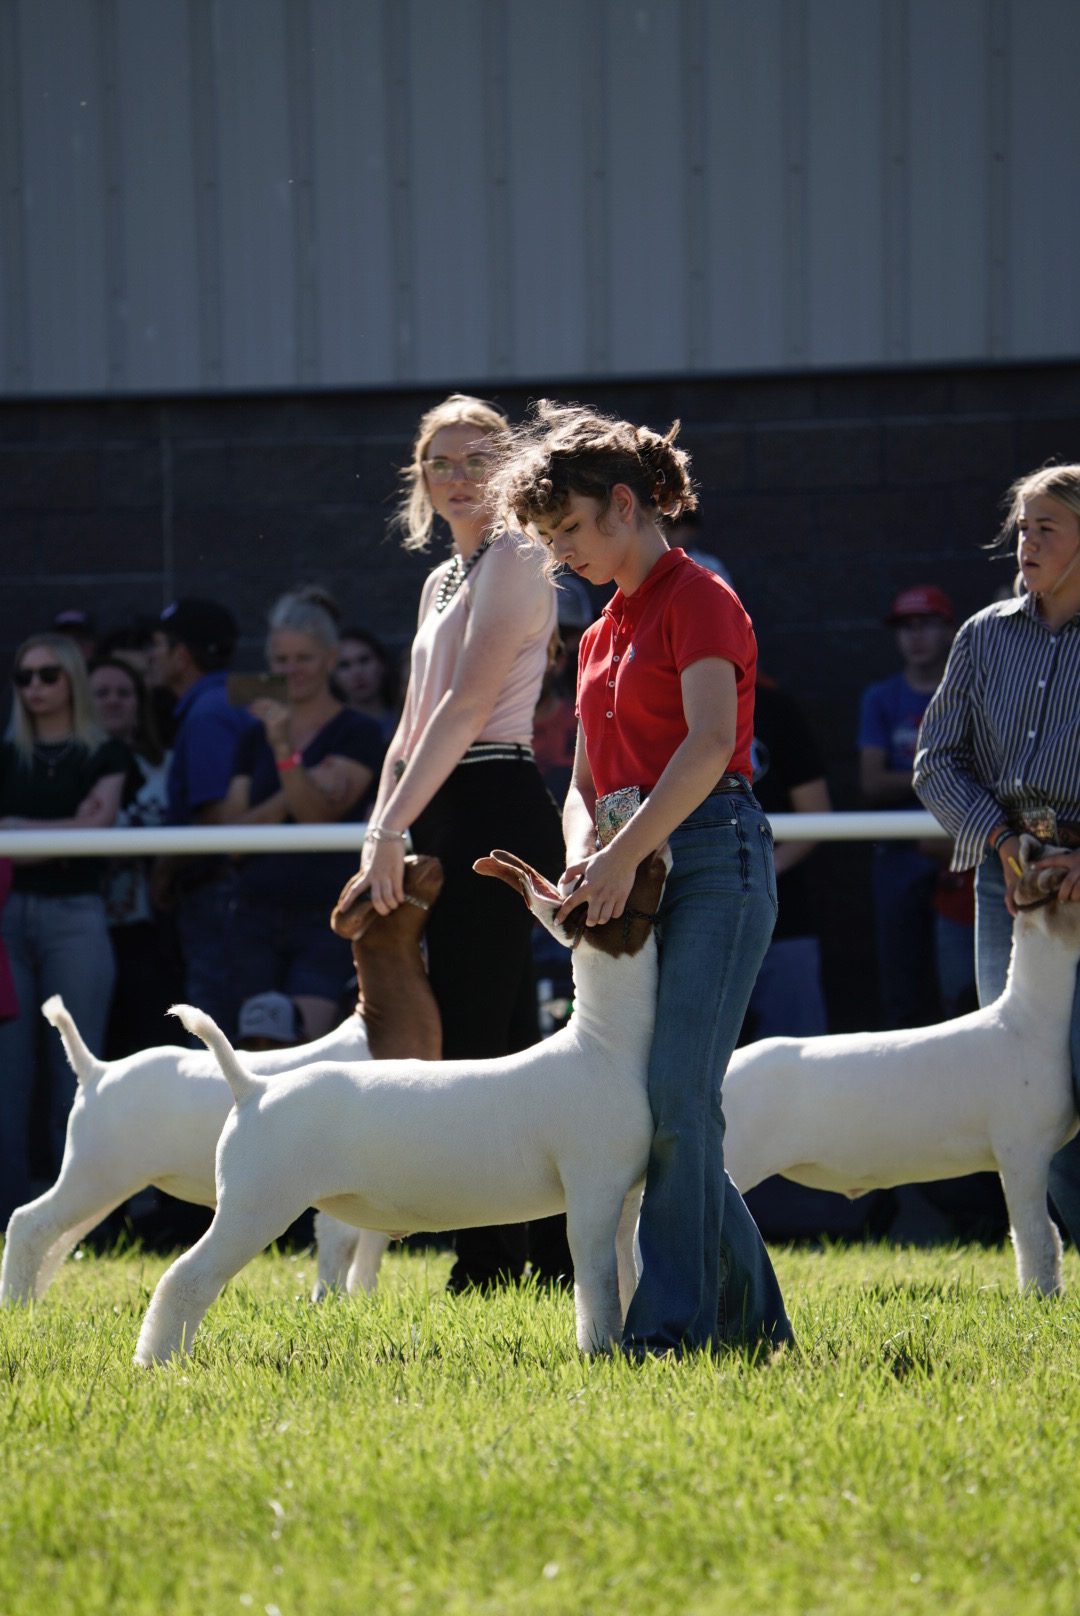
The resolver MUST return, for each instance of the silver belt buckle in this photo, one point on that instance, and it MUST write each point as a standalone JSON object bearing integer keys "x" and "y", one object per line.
{"x": 614, "y": 809}
{"x": 1040, "y": 821}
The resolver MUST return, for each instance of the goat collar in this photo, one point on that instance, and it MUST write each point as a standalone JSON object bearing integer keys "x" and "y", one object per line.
{"x": 417, "y": 903}
{"x": 627, "y": 916}
{"x": 1039, "y": 903}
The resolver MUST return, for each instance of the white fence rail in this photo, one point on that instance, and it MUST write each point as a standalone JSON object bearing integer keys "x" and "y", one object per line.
{"x": 120, "y": 843}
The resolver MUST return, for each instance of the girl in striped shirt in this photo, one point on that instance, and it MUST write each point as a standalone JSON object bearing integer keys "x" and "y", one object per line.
{"x": 999, "y": 747}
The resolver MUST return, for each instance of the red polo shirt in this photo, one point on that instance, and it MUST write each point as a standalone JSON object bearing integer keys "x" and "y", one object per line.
{"x": 630, "y": 666}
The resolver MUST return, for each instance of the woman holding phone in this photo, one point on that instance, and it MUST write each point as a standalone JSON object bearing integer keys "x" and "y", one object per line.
{"x": 310, "y": 761}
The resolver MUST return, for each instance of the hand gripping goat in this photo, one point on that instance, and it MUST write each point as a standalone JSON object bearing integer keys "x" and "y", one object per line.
{"x": 155, "y": 1117}
{"x": 404, "y": 1145}
{"x": 988, "y": 1091}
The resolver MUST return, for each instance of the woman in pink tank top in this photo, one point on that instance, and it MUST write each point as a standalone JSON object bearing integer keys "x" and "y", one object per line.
{"x": 461, "y": 778}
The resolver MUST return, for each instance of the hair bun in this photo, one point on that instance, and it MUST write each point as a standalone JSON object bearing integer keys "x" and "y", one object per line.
{"x": 319, "y": 595}
{"x": 668, "y": 470}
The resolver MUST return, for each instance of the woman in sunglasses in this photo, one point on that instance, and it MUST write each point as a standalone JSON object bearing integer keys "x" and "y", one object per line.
{"x": 460, "y": 774}
{"x": 58, "y": 770}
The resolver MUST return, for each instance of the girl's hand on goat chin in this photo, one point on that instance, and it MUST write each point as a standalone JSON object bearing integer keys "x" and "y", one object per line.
{"x": 386, "y": 875}
{"x": 382, "y": 871}
{"x": 603, "y": 882}
{"x": 1069, "y": 890}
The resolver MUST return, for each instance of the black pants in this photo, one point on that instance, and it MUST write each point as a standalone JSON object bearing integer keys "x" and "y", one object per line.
{"x": 480, "y": 954}
{"x": 149, "y": 978}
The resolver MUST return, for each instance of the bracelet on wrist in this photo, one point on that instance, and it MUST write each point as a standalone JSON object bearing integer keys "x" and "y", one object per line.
{"x": 380, "y": 833}
{"x": 293, "y": 761}
{"x": 1002, "y": 836}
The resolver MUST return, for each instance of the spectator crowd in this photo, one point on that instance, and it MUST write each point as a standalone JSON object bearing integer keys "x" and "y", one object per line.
{"x": 150, "y": 724}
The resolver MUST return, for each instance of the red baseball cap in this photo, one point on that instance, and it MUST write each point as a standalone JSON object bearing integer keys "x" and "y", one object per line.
{"x": 921, "y": 600}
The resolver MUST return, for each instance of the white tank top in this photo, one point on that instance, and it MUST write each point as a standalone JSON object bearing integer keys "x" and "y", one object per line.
{"x": 435, "y": 653}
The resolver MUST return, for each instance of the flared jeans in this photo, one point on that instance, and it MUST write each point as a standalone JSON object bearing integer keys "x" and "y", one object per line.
{"x": 707, "y": 1281}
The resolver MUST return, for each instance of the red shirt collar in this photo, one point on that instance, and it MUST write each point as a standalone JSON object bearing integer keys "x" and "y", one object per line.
{"x": 620, "y": 605}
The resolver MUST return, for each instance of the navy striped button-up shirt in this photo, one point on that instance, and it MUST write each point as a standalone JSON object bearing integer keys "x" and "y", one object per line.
{"x": 1002, "y": 732}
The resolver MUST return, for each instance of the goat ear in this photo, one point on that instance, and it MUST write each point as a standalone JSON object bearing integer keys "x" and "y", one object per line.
{"x": 536, "y": 891}
{"x": 1031, "y": 849}
{"x": 502, "y": 871}
{"x": 352, "y": 920}
{"x": 1050, "y": 880}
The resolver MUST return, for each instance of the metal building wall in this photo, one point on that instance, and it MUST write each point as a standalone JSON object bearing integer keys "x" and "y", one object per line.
{"x": 227, "y": 194}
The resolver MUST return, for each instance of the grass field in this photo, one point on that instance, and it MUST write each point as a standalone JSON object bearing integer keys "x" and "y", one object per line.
{"x": 417, "y": 1452}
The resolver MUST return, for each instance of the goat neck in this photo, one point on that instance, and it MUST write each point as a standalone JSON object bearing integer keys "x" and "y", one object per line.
{"x": 615, "y": 965}
{"x": 1046, "y": 948}
{"x": 395, "y": 1001}
{"x": 614, "y": 994}
{"x": 399, "y": 1009}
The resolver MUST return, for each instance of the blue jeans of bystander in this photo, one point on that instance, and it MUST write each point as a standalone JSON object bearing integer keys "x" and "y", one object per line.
{"x": 707, "y": 1281}
{"x": 788, "y": 1000}
{"x": 993, "y": 945}
{"x": 56, "y": 945}
{"x": 904, "y": 880}
{"x": 202, "y": 917}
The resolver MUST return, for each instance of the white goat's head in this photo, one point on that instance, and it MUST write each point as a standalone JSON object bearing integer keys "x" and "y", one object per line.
{"x": 1035, "y": 894}
{"x": 627, "y": 935}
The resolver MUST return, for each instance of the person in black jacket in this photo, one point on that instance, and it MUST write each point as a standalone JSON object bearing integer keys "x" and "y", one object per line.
{"x": 58, "y": 770}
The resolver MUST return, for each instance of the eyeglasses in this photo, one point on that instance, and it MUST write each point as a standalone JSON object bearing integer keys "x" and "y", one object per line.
{"x": 474, "y": 468}
{"x": 48, "y": 675}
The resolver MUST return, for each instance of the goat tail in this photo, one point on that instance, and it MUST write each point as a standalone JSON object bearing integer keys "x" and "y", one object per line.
{"x": 86, "y": 1066}
{"x": 244, "y": 1084}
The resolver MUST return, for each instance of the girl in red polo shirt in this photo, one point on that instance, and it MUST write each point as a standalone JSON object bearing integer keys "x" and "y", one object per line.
{"x": 665, "y": 709}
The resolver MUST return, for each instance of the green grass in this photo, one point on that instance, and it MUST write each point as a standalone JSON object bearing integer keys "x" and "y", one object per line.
{"x": 418, "y": 1452}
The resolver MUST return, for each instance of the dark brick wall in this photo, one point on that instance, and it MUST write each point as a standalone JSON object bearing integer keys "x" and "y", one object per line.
{"x": 824, "y": 494}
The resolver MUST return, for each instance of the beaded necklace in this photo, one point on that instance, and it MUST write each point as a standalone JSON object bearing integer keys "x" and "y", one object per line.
{"x": 456, "y": 574}
{"x": 50, "y": 754}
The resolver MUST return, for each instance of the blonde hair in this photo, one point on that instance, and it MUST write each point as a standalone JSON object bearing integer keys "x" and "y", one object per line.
{"x": 85, "y": 727}
{"x": 415, "y": 517}
{"x": 1053, "y": 482}
{"x": 565, "y": 449}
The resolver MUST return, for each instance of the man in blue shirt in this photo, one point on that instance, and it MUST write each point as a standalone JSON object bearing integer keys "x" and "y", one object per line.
{"x": 193, "y": 647}
{"x": 905, "y": 873}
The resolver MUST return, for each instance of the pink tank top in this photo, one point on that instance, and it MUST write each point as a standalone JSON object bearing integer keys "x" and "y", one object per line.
{"x": 435, "y": 652}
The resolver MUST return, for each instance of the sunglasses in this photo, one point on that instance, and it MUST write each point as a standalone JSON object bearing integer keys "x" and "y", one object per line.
{"x": 48, "y": 675}
{"x": 474, "y": 468}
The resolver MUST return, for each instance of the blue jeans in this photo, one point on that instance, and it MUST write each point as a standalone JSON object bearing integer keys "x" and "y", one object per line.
{"x": 904, "y": 880}
{"x": 954, "y": 945}
{"x": 56, "y": 945}
{"x": 707, "y": 1281}
{"x": 788, "y": 1000}
{"x": 993, "y": 945}
{"x": 287, "y": 949}
{"x": 201, "y": 922}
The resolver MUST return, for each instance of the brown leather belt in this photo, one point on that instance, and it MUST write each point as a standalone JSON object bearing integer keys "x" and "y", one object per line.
{"x": 730, "y": 782}
{"x": 726, "y": 783}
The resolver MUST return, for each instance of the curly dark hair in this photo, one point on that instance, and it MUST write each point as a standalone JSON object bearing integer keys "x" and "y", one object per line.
{"x": 566, "y": 449}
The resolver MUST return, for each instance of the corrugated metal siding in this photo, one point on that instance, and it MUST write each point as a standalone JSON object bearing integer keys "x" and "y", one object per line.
{"x": 302, "y": 193}
{"x": 1041, "y": 148}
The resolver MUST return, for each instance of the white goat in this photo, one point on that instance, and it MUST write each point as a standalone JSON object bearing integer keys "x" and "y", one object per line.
{"x": 408, "y": 1145}
{"x": 988, "y": 1091}
{"x": 155, "y": 1117}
